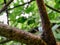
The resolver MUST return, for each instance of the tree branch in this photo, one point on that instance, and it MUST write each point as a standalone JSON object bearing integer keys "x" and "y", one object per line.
{"x": 32, "y": 1}
{"x": 34, "y": 30}
{"x": 47, "y": 34}
{"x": 52, "y": 8}
{"x": 20, "y": 35}
{"x": 21, "y": 5}
{"x": 5, "y": 6}
{"x": 6, "y": 12}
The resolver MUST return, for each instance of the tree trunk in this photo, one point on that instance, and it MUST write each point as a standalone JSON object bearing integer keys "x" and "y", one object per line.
{"x": 47, "y": 34}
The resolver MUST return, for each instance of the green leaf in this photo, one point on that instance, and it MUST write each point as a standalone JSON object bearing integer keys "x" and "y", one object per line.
{"x": 30, "y": 21}
{"x": 21, "y": 20}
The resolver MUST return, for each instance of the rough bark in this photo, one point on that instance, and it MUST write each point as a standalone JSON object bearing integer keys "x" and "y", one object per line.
{"x": 20, "y": 35}
{"x": 47, "y": 34}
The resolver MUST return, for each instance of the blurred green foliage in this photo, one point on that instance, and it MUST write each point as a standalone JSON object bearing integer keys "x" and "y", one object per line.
{"x": 27, "y": 16}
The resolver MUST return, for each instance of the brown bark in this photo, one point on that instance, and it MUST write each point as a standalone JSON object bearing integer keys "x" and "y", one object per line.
{"x": 20, "y": 35}
{"x": 47, "y": 34}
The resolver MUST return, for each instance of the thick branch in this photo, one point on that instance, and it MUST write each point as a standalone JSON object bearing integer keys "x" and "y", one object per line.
{"x": 20, "y": 35}
{"x": 47, "y": 34}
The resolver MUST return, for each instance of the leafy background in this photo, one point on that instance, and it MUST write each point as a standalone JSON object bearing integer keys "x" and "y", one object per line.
{"x": 26, "y": 16}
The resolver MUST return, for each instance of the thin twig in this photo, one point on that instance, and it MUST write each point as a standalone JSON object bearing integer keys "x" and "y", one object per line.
{"x": 5, "y": 6}
{"x": 52, "y": 8}
{"x": 32, "y": 1}
{"x": 7, "y": 12}
{"x": 21, "y": 5}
